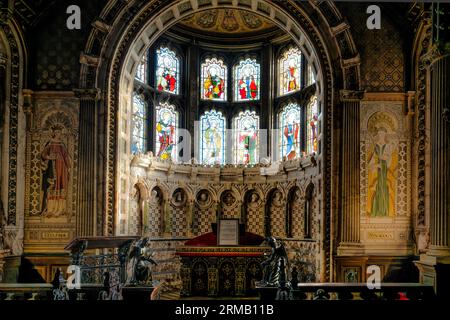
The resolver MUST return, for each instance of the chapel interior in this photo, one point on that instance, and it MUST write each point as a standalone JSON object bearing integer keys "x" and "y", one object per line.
{"x": 297, "y": 120}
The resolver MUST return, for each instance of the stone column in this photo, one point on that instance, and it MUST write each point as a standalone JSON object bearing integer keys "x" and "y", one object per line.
{"x": 3, "y": 66}
{"x": 434, "y": 266}
{"x": 87, "y": 159}
{"x": 440, "y": 157}
{"x": 350, "y": 179}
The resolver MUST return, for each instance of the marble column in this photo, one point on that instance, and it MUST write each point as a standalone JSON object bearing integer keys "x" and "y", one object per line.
{"x": 434, "y": 266}
{"x": 440, "y": 157}
{"x": 350, "y": 243}
{"x": 87, "y": 159}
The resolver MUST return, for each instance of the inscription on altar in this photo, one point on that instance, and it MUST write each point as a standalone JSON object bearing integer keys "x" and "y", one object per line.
{"x": 380, "y": 235}
{"x": 54, "y": 235}
{"x": 228, "y": 233}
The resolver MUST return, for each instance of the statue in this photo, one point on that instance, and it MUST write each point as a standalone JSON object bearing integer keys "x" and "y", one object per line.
{"x": 284, "y": 287}
{"x": 138, "y": 263}
{"x": 203, "y": 198}
{"x": 254, "y": 201}
{"x": 274, "y": 267}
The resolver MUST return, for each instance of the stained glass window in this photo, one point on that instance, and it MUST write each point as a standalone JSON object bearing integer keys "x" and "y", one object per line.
{"x": 167, "y": 71}
{"x": 141, "y": 73}
{"x": 214, "y": 79}
{"x": 289, "y": 124}
{"x": 212, "y": 137}
{"x": 290, "y": 71}
{"x": 166, "y": 131}
{"x": 312, "y": 118}
{"x": 246, "y": 140}
{"x": 138, "y": 125}
{"x": 311, "y": 78}
{"x": 247, "y": 80}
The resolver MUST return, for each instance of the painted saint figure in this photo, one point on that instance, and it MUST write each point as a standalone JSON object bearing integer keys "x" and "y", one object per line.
{"x": 56, "y": 165}
{"x": 248, "y": 139}
{"x": 214, "y": 85}
{"x": 292, "y": 76}
{"x": 213, "y": 140}
{"x": 166, "y": 133}
{"x": 291, "y": 133}
{"x": 313, "y": 126}
{"x": 167, "y": 71}
{"x": 382, "y": 164}
{"x": 248, "y": 88}
{"x": 166, "y": 78}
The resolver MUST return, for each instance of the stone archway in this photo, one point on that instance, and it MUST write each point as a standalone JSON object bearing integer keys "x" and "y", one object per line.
{"x": 125, "y": 31}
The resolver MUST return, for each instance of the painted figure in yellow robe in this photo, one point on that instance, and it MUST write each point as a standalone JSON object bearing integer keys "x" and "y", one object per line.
{"x": 382, "y": 159}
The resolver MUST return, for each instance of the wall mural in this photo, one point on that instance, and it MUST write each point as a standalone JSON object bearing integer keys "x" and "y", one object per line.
{"x": 52, "y": 165}
{"x": 382, "y": 166}
{"x": 385, "y": 178}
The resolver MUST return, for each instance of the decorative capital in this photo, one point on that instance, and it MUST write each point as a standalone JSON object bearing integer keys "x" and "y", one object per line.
{"x": 89, "y": 60}
{"x": 435, "y": 53}
{"x": 351, "y": 95}
{"x": 88, "y": 94}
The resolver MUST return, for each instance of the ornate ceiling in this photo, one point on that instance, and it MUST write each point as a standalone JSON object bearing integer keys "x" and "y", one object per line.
{"x": 227, "y": 21}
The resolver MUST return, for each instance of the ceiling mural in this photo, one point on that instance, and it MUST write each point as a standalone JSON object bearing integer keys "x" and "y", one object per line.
{"x": 228, "y": 21}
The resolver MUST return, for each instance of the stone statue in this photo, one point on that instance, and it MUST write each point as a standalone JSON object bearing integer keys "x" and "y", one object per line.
{"x": 254, "y": 201}
{"x": 203, "y": 198}
{"x": 178, "y": 199}
{"x": 274, "y": 267}
{"x": 277, "y": 199}
{"x": 138, "y": 263}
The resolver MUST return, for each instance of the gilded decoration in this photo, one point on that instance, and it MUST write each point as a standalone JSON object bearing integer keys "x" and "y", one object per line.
{"x": 228, "y": 21}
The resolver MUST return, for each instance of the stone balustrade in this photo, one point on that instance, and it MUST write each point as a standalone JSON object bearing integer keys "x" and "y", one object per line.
{"x": 354, "y": 291}
{"x": 26, "y": 291}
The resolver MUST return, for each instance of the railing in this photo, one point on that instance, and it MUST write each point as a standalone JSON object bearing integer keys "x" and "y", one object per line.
{"x": 26, "y": 291}
{"x": 351, "y": 291}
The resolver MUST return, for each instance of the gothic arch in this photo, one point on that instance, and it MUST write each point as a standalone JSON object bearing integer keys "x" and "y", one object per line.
{"x": 120, "y": 47}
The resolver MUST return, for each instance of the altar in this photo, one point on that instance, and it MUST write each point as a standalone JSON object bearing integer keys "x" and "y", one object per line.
{"x": 213, "y": 270}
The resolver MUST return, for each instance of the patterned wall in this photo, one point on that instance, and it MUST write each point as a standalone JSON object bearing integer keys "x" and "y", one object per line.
{"x": 381, "y": 52}
{"x": 57, "y": 49}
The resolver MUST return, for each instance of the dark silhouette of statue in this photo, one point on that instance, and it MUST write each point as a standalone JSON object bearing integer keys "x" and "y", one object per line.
{"x": 139, "y": 262}
{"x": 274, "y": 267}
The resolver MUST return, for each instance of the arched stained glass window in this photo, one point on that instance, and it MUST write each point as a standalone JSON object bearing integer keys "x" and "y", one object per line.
{"x": 214, "y": 79}
{"x": 167, "y": 71}
{"x": 289, "y": 124}
{"x": 212, "y": 138}
{"x": 311, "y": 77}
{"x": 141, "y": 73}
{"x": 289, "y": 67}
{"x": 312, "y": 118}
{"x": 246, "y": 139}
{"x": 166, "y": 131}
{"x": 247, "y": 76}
{"x": 138, "y": 125}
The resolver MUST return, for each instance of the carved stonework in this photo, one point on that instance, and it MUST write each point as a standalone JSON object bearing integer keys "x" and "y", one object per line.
{"x": 421, "y": 125}
{"x": 14, "y": 88}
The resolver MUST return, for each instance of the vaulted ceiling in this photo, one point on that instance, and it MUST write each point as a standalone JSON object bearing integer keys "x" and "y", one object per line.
{"x": 228, "y": 21}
